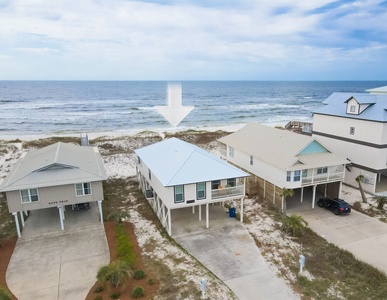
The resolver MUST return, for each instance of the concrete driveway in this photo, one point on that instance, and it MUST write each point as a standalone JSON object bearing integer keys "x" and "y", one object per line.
{"x": 228, "y": 250}
{"x": 364, "y": 236}
{"x": 52, "y": 264}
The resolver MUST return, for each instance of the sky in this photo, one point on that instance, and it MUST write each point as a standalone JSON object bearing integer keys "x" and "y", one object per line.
{"x": 193, "y": 40}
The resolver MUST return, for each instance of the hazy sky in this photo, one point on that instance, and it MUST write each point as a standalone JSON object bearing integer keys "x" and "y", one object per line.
{"x": 193, "y": 40}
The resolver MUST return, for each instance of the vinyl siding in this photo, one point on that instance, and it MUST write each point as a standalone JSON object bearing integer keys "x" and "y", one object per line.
{"x": 53, "y": 197}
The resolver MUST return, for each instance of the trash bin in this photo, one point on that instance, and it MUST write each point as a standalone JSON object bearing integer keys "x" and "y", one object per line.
{"x": 232, "y": 212}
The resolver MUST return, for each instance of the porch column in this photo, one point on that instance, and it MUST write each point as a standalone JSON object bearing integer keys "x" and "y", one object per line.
{"x": 169, "y": 222}
{"x": 274, "y": 194}
{"x": 200, "y": 212}
{"x": 340, "y": 189}
{"x": 22, "y": 219}
{"x": 325, "y": 190}
{"x": 61, "y": 217}
{"x": 193, "y": 209}
{"x": 207, "y": 219}
{"x": 100, "y": 211}
{"x": 17, "y": 224}
{"x": 26, "y": 213}
{"x": 264, "y": 188}
{"x": 244, "y": 185}
{"x": 314, "y": 195}
{"x": 302, "y": 194}
{"x": 282, "y": 203}
{"x": 241, "y": 219}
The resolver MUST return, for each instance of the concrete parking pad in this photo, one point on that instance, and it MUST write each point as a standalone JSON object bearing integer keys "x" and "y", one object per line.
{"x": 49, "y": 263}
{"x": 362, "y": 235}
{"x": 228, "y": 250}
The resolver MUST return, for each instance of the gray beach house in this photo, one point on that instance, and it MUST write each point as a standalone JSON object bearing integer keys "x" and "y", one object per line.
{"x": 58, "y": 175}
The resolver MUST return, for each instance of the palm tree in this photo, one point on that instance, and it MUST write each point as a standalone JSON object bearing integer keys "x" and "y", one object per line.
{"x": 359, "y": 179}
{"x": 294, "y": 225}
{"x": 116, "y": 273}
{"x": 380, "y": 200}
{"x": 118, "y": 216}
{"x": 285, "y": 194}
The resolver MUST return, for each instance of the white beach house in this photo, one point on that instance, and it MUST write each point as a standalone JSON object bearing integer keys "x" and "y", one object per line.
{"x": 174, "y": 174}
{"x": 354, "y": 125}
{"x": 279, "y": 159}
{"x": 58, "y": 175}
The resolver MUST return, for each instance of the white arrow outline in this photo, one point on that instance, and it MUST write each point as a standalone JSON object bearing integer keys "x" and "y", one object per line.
{"x": 174, "y": 112}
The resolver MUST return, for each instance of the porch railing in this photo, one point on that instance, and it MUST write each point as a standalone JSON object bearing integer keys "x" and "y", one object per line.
{"x": 322, "y": 178}
{"x": 237, "y": 190}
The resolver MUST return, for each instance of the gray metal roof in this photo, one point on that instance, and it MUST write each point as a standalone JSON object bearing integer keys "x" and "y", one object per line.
{"x": 280, "y": 148}
{"x": 175, "y": 162}
{"x": 336, "y": 105}
{"x": 54, "y": 165}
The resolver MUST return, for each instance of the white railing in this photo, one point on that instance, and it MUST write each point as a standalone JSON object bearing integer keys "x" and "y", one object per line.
{"x": 322, "y": 178}
{"x": 222, "y": 152}
{"x": 228, "y": 192}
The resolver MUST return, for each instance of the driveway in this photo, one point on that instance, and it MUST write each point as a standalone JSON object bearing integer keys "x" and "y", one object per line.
{"x": 363, "y": 236}
{"x": 49, "y": 263}
{"x": 228, "y": 251}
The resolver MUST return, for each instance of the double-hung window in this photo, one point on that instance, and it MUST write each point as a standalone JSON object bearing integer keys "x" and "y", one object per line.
{"x": 215, "y": 184}
{"x": 322, "y": 170}
{"x": 288, "y": 176}
{"x": 83, "y": 189}
{"x": 30, "y": 195}
{"x": 201, "y": 190}
{"x": 231, "y": 151}
{"x": 179, "y": 193}
{"x": 297, "y": 175}
{"x": 231, "y": 182}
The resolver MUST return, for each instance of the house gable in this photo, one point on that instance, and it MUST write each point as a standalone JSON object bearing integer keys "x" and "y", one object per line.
{"x": 314, "y": 147}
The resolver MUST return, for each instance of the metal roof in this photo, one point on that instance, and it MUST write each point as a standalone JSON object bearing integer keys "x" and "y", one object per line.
{"x": 54, "y": 165}
{"x": 280, "y": 148}
{"x": 336, "y": 105}
{"x": 382, "y": 89}
{"x": 175, "y": 162}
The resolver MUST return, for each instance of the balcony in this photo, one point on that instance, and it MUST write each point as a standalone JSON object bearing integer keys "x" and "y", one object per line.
{"x": 322, "y": 178}
{"x": 227, "y": 192}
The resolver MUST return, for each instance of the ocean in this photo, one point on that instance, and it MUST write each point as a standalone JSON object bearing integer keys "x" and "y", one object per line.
{"x": 41, "y": 108}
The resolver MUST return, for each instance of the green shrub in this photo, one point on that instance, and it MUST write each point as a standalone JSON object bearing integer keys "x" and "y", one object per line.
{"x": 124, "y": 246}
{"x": 139, "y": 274}
{"x": 115, "y": 295}
{"x": 294, "y": 225}
{"x": 98, "y": 298}
{"x": 4, "y": 295}
{"x": 98, "y": 289}
{"x": 116, "y": 273}
{"x": 151, "y": 281}
{"x": 138, "y": 292}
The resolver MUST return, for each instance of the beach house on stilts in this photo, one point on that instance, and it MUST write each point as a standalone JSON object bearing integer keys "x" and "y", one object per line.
{"x": 174, "y": 174}
{"x": 57, "y": 176}
{"x": 278, "y": 159}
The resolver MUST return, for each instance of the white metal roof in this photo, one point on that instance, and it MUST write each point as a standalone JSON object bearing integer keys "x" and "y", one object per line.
{"x": 57, "y": 164}
{"x": 280, "y": 148}
{"x": 175, "y": 162}
{"x": 382, "y": 90}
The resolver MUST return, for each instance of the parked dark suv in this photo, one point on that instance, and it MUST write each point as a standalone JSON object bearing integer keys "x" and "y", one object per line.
{"x": 338, "y": 206}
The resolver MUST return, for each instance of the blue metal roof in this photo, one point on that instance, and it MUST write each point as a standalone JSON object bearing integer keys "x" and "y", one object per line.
{"x": 336, "y": 105}
{"x": 175, "y": 162}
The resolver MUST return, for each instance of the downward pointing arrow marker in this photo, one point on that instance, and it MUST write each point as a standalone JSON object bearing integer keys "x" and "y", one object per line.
{"x": 174, "y": 112}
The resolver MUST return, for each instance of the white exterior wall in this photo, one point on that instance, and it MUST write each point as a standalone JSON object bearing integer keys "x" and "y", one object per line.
{"x": 369, "y": 184}
{"x": 263, "y": 170}
{"x": 366, "y": 131}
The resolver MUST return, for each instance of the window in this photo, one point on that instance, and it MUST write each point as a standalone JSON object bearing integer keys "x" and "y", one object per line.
{"x": 297, "y": 176}
{"x": 215, "y": 184}
{"x": 231, "y": 181}
{"x": 304, "y": 173}
{"x": 179, "y": 193}
{"x": 288, "y": 176}
{"x": 251, "y": 160}
{"x": 28, "y": 196}
{"x": 352, "y": 130}
{"x": 322, "y": 170}
{"x": 201, "y": 190}
{"x": 231, "y": 151}
{"x": 352, "y": 108}
{"x": 149, "y": 174}
{"x": 83, "y": 189}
